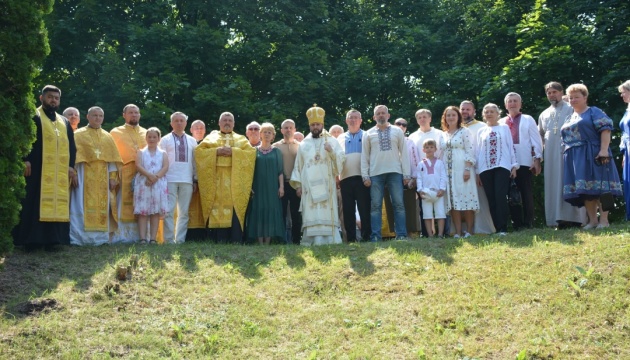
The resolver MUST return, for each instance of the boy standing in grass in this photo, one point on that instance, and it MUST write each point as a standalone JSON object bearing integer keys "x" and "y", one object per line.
{"x": 431, "y": 184}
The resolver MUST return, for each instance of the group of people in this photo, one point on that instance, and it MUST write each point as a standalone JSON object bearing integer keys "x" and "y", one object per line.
{"x": 89, "y": 186}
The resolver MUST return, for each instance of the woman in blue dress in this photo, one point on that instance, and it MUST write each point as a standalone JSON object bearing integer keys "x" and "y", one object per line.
{"x": 588, "y": 167}
{"x": 624, "y": 124}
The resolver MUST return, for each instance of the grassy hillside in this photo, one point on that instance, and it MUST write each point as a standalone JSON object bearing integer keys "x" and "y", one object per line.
{"x": 537, "y": 294}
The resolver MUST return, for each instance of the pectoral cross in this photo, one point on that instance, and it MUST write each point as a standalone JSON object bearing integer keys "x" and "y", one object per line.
{"x": 98, "y": 153}
{"x": 57, "y": 131}
{"x": 555, "y": 129}
{"x": 228, "y": 138}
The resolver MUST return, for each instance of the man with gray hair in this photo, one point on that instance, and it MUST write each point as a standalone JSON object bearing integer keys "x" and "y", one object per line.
{"x": 354, "y": 194}
{"x": 73, "y": 116}
{"x": 198, "y": 130}
{"x": 385, "y": 162}
{"x": 225, "y": 165}
{"x": 93, "y": 219}
{"x": 557, "y": 211}
{"x": 181, "y": 177}
{"x": 252, "y": 131}
{"x": 528, "y": 148}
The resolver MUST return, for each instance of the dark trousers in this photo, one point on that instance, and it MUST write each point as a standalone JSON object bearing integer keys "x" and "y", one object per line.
{"x": 355, "y": 195}
{"x": 496, "y": 184}
{"x": 523, "y": 216}
{"x": 290, "y": 201}
{"x": 231, "y": 235}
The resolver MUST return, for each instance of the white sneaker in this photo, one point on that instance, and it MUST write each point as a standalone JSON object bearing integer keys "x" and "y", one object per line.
{"x": 466, "y": 235}
{"x": 456, "y": 236}
{"x": 502, "y": 234}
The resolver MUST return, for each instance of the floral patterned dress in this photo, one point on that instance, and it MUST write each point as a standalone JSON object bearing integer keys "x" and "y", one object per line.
{"x": 583, "y": 178}
{"x": 457, "y": 149}
{"x": 150, "y": 200}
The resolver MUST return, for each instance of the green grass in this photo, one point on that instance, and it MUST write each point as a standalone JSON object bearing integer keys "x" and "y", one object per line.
{"x": 537, "y": 294}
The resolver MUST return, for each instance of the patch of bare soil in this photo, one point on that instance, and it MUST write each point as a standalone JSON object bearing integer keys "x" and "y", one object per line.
{"x": 37, "y": 306}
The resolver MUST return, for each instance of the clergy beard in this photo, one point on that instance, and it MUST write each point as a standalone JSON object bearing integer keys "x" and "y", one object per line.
{"x": 554, "y": 102}
{"x": 316, "y": 134}
{"x": 50, "y": 113}
{"x": 49, "y": 109}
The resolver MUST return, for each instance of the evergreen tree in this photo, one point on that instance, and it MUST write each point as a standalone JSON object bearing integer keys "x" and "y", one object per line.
{"x": 23, "y": 47}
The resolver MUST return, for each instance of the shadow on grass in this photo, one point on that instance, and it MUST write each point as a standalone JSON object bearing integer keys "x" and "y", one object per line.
{"x": 25, "y": 276}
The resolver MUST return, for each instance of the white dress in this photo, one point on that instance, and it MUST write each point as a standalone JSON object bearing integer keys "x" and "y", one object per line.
{"x": 149, "y": 200}
{"x": 457, "y": 149}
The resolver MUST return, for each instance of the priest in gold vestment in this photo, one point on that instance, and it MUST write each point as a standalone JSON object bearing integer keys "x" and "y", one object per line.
{"x": 93, "y": 211}
{"x": 49, "y": 173}
{"x": 129, "y": 138}
{"x": 225, "y": 170}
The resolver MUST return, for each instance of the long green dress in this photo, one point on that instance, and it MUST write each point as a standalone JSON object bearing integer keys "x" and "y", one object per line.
{"x": 264, "y": 218}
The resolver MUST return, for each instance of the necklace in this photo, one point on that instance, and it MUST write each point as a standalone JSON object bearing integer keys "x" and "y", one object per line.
{"x": 56, "y": 128}
{"x": 97, "y": 143}
{"x": 134, "y": 141}
{"x": 264, "y": 151}
{"x": 319, "y": 148}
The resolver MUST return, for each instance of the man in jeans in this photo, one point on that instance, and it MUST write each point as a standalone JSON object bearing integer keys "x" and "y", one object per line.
{"x": 385, "y": 162}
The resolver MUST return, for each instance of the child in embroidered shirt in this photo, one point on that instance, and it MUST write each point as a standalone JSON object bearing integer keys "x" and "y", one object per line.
{"x": 431, "y": 184}
{"x": 150, "y": 196}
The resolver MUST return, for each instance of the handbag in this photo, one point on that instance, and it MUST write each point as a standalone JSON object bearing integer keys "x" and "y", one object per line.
{"x": 514, "y": 195}
{"x": 606, "y": 198}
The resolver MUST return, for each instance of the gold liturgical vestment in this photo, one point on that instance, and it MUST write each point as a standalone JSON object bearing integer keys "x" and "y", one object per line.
{"x": 95, "y": 149}
{"x": 195, "y": 214}
{"x": 225, "y": 182}
{"x": 54, "y": 203}
{"x": 129, "y": 139}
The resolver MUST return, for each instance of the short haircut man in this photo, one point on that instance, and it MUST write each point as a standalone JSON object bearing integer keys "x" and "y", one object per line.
{"x": 528, "y": 147}
{"x": 181, "y": 177}
{"x": 290, "y": 201}
{"x": 385, "y": 162}
{"x": 225, "y": 170}
{"x": 92, "y": 211}
{"x": 73, "y": 116}
{"x": 129, "y": 138}
{"x": 354, "y": 194}
{"x": 198, "y": 130}
{"x": 252, "y": 131}
{"x": 557, "y": 211}
{"x": 49, "y": 173}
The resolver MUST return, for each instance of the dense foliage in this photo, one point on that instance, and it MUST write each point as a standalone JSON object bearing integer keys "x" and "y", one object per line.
{"x": 268, "y": 60}
{"x": 23, "y": 47}
{"x": 272, "y": 59}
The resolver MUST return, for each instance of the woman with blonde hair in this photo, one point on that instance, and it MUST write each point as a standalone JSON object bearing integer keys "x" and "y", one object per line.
{"x": 588, "y": 167}
{"x": 265, "y": 219}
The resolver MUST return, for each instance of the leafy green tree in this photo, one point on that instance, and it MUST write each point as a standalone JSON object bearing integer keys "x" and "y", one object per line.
{"x": 23, "y": 47}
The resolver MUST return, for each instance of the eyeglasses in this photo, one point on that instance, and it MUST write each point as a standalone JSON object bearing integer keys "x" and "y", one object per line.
{"x": 400, "y": 124}
{"x": 254, "y": 129}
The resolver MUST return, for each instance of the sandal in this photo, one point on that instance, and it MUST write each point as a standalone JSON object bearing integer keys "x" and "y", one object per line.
{"x": 152, "y": 242}
{"x": 142, "y": 241}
